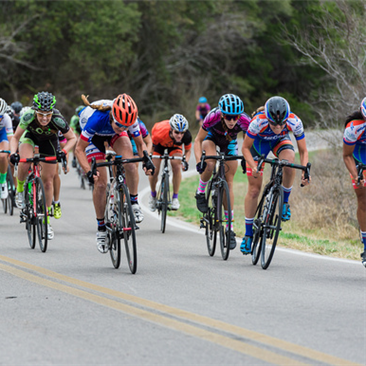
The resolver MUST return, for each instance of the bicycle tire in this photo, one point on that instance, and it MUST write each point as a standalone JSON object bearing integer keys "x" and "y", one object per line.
{"x": 222, "y": 221}
{"x": 41, "y": 215}
{"x": 127, "y": 224}
{"x": 111, "y": 221}
{"x": 164, "y": 201}
{"x": 271, "y": 226}
{"x": 30, "y": 223}
{"x": 258, "y": 231}
{"x": 10, "y": 183}
{"x": 210, "y": 220}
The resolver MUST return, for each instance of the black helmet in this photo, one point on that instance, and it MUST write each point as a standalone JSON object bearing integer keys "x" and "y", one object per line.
{"x": 277, "y": 110}
{"x": 44, "y": 101}
{"x": 17, "y": 107}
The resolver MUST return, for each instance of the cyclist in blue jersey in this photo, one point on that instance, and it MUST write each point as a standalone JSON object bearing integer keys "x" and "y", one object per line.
{"x": 6, "y": 133}
{"x": 202, "y": 110}
{"x": 269, "y": 131}
{"x": 354, "y": 154}
{"x": 220, "y": 129}
{"x": 107, "y": 121}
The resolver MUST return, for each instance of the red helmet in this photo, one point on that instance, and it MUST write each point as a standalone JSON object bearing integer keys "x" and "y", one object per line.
{"x": 124, "y": 110}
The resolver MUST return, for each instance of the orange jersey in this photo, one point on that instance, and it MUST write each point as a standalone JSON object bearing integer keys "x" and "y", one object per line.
{"x": 160, "y": 135}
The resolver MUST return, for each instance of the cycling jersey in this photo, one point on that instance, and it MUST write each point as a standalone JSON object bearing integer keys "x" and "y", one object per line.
{"x": 203, "y": 110}
{"x": 162, "y": 138}
{"x": 6, "y": 128}
{"x": 74, "y": 124}
{"x": 144, "y": 133}
{"x": 355, "y": 135}
{"x": 94, "y": 122}
{"x": 223, "y": 137}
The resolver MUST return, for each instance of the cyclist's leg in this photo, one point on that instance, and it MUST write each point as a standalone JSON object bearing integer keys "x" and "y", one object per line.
{"x": 176, "y": 169}
{"x": 4, "y": 145}
{"x": 153, "y": 179}
{"x": 284, "y": 149}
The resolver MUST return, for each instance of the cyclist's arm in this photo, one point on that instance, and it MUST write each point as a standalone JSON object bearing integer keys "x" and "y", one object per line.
{"x": 247, "y": 144}
{"x": 349, "y": 161}
{"x": 71, "y": 140}
{"x": 15, "y": 140}
{"x": 81, "y": 155}
{"x": 148, "y": 142}
{"x": 187, "y": 154}
{"x": 198, "y": 144}
{"x": 198, "y": 116}
{"x": 140, "y": 145}
{"x": 304, "y": 158}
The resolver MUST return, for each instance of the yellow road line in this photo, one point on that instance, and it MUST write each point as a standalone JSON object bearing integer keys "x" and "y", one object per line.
{"x": 203, "y": 320}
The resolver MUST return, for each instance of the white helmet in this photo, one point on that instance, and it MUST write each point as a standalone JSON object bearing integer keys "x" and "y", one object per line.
{"x": 3, "y": 106}
{"x": 178, "y": 123}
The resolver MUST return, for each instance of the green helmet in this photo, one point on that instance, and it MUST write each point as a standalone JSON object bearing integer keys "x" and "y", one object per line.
{"x": 79, "y": 109}
{"x": 44, "y": 101}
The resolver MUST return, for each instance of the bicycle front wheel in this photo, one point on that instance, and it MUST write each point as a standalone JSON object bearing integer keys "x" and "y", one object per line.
{"x": 209, "y": 219}
{"x": 271, "y": 226}
{"x": 127, "y": 223}
{"x": 163, "y": 197}
{"x": 224, "y": 223}
{"x": 28, "y": 211}
{"x": 10, "y": 183}
{"x": 41, "y": 214}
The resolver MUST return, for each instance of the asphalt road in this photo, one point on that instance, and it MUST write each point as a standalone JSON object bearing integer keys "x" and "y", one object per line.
{"x": 182, "y": 307}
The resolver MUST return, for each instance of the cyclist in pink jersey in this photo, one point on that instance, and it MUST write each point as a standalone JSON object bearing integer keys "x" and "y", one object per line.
{"x": 220, "y": 129}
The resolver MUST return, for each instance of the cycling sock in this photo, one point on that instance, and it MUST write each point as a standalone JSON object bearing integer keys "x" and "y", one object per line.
{"x": 153, "y": 194}
{"x": 249, "y": 226}
{"x": 101, "y": 224}
{"x": 20, "y": 185}
{"x": 202, "y": 186}
{"x": 134, "y": 199}
{"x": 2, "y": 178}
{"x": 227, "y": 218}
{"x": 286, "y": 194}
{"x": 363, "y": 234}
{"x": 175, "y": 195}
{"x": 56, "y": 202}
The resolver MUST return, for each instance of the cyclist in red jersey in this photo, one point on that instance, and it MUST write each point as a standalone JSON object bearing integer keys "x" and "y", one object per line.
{"x": 171, "y": 135}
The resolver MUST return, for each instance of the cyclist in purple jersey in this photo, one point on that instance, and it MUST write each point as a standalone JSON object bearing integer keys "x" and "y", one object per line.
{"x": 202, "y": 110}
{"x": 268, "y": 131}
{"x": 354, "y": 154}
{"x": 220, "y": 129}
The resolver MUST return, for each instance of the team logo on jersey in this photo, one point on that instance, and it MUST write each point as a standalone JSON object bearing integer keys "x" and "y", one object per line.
{"x": 28, "y": 116}
{"x": 59, "y": 122}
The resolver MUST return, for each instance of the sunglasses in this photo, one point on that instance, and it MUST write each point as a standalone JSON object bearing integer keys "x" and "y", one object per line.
{"x": 178, "y": 133}
{"x": 277, "y": 124}
{"x": 44, "y": 114}
{"x": 230, "y": 117}
{"x": 117, "y": 123}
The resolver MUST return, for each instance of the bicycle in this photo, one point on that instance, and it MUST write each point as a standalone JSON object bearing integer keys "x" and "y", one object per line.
{"x": 35, "y": 213}
{"x": 360, "y": 169}
{"x": 119, "y": 216}
{"x": 163, "y": 203}
{"x": 268, "y": 216}
{"x": 9, "y": 202}
{"x": 217, "y": 195}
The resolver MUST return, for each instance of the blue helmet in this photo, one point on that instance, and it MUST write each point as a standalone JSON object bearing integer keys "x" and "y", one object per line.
{"x": 202, "y": 100}
{"x": 363, "y": 108}
{"x": 277, "y": 110}
{"x": 178, "y": 123}
{"x": 231, "y": 104}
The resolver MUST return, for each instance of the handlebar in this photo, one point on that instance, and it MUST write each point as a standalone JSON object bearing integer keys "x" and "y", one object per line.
{"x": 168, "y": 157}
{"x": 37, "y": 159}
{"x": 118, "y": 160}
{"x": 222, "y": 156}
{"x": 5, "y": 151}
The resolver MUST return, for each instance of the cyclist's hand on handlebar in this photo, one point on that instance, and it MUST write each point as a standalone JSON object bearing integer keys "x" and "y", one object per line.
{"x": 304, "y": 181}
{"x": 92, "y": 178}
{"x": 185, "y": 166}
{"x": 201, "y": 169}
{"x": 61, "y": 155}
{"x": 14, "y": 158}
{"x": 147, "y": 165}
{"x": 243, "y": 165}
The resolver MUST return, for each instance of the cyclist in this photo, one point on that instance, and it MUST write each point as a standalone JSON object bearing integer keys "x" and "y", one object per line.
{"x": 106, "y": 121}
{"x": 39, "y": 126}
{"x": 219, "y": 130}
{"x": 269, "y": 131}
{"x": 354, "y": 153}
{"x": 202, "y": 110}
{"x": 15, "y": 117}
{"x": 171, "y": 135}
{"x": 75, "y": 125}
{"x": 6, "y": 133}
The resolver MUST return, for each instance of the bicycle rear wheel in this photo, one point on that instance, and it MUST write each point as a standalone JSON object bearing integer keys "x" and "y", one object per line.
{"x": 163, "y": 197}
{"x": 271, "y": 226}
{"x": 111, "y": 216}
{"x": 127, "y": 223}
{"x": 28, "y": 211}
{"x": 41, "y": 215}
{"x": 224, "y": 222}
{"x": 209, "y": 219}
